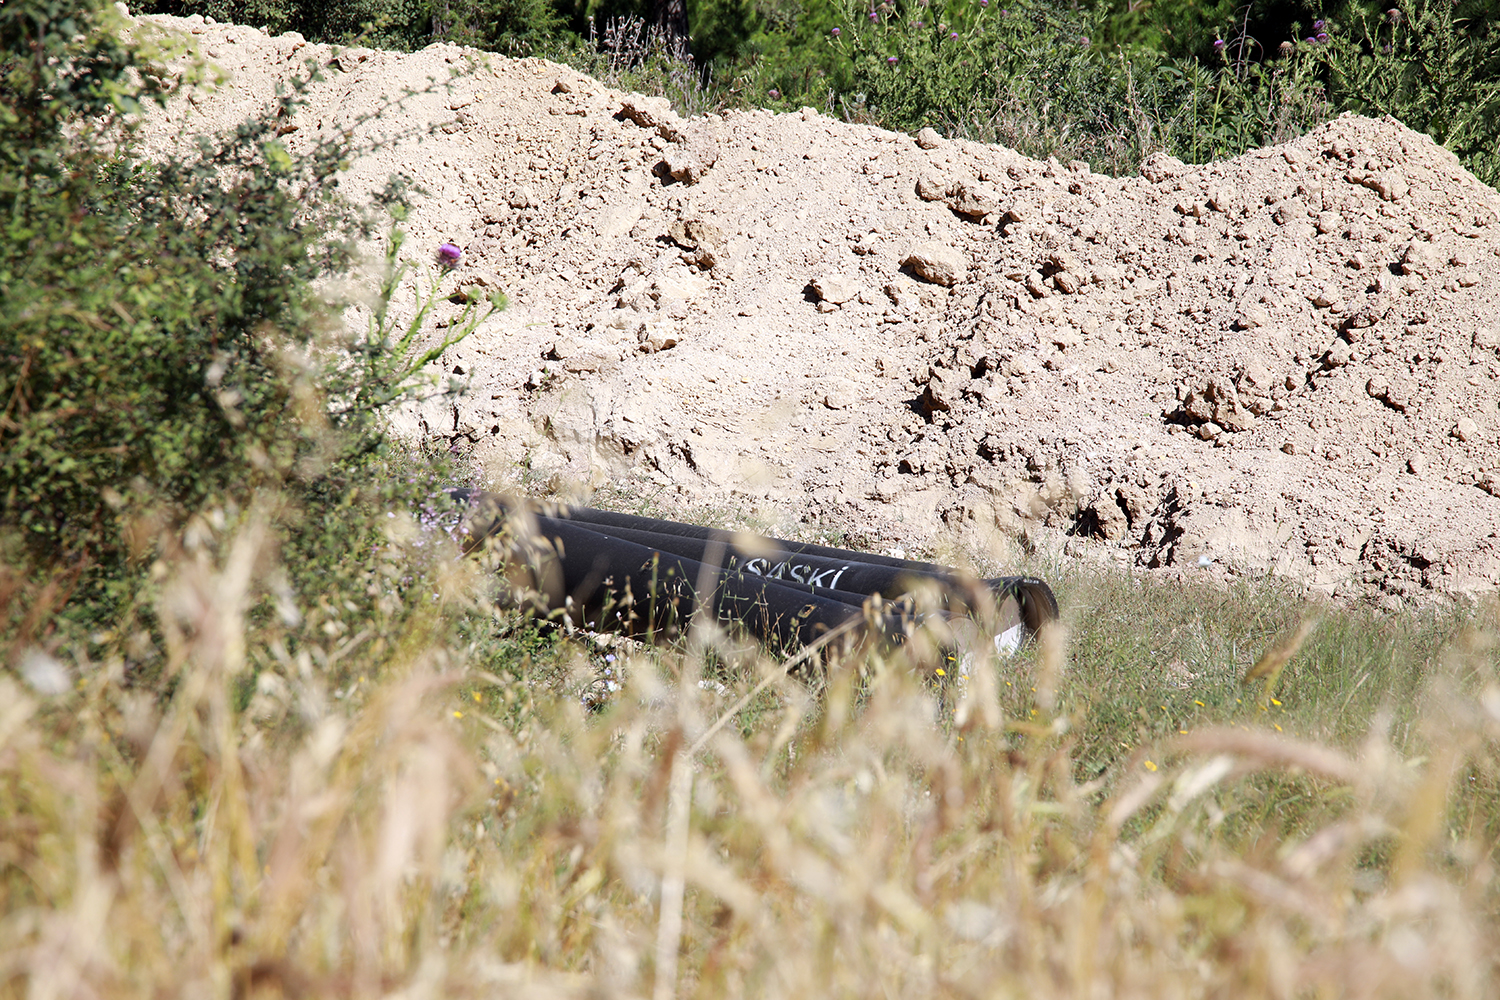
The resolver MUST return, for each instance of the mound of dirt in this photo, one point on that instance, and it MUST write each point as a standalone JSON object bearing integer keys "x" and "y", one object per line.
{"x": 1283, "y": 362}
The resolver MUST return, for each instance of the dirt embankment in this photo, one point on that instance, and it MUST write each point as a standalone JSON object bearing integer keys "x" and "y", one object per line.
{"x": 1286, "y": 361}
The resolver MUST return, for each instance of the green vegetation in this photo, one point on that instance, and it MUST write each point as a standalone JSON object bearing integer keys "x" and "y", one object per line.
{"x": 1437, "y": 72}
{"x": 165, "y": 356}
{"x": 1110, "y": 83}
{"x": 263, "y": 734}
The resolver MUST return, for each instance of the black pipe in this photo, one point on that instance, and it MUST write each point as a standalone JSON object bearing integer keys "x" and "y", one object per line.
{"x": 620, "y": 572}
{"x": 609, "y": 584}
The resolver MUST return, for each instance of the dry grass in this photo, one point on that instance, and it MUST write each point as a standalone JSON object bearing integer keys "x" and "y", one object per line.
{"x": 410, "y": 815}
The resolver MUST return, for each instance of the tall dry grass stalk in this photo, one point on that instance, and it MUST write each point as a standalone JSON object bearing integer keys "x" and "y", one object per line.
{"x": 440, "y": 830}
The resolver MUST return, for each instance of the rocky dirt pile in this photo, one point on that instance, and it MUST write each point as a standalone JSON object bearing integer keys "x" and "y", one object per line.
{"x": 1282, "y": 362}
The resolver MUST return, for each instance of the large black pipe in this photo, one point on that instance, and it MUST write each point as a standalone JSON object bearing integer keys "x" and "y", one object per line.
{"x": 619, "y": 572}
{"x": 812, "y": 579}
{"x": 610, "y": 584}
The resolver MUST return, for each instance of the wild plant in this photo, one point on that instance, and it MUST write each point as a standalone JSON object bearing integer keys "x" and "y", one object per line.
{"x": 1423, "y": 63}
{"x": 631, "y": 54}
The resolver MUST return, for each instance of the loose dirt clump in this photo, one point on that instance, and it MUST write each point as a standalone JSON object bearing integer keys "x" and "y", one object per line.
{"x": 1283, "y": 362}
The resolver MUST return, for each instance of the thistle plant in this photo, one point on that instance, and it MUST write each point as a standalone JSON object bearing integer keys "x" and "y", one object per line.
{"x": 1420, "y": 62}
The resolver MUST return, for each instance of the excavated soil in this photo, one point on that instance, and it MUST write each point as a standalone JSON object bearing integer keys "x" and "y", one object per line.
{"x": 1283, "y": 362}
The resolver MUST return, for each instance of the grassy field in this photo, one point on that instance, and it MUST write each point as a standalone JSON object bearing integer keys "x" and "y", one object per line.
{"x": 468, "y": 805}
{"x": 264, "y": 734}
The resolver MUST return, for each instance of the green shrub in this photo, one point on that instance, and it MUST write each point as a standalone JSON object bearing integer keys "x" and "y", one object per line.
{"x": 163, "y": 352}
{"x": 946, "y": 64}
{"x": 790, "y": 58}
{"x": 722, "y": 31}
{"x": 1425, "y": 64}
{"x": 512, "y": 27}
{"x": 1034, "y": 77}
{"x": 630, "y": 54}
{"x": 1238, "y": 102}
{"x": 1177, "y": 28}
{"x": 137, "y": 296}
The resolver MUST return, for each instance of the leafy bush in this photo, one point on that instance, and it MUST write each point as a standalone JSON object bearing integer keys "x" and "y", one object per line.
{"x": 396, "y": 24}
{"x": 135, "y": 294}
{"x": 947, "y": 64}
{"x": 164, "y": 354}
{"x": 1246, "y": 101}
{"x": 1032, "y": 75}
{"x": 722, "y": 32}
{"x": 1177, "y": 28}
{"x": 789, "y": 59}
{"x": 514, "y": 27}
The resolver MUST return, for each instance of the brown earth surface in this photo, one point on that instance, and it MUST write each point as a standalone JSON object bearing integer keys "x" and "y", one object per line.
{"x": 1283, "y": 362}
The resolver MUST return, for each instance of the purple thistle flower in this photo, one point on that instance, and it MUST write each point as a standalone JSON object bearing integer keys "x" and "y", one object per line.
{"x": 834, "y": 32}
{"x": 874, "y": 16}
{"x": 450, "y": 254}
{"x": 1318, "y": 25}
{"x": 1218, "y": 44}
{"x": 952, "y": 35}
{"x": 1310, "y": 41}
{"x": 1322, "y": 37}
{"x": 773, "y": 94}
{"x": 891, "y": 60}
